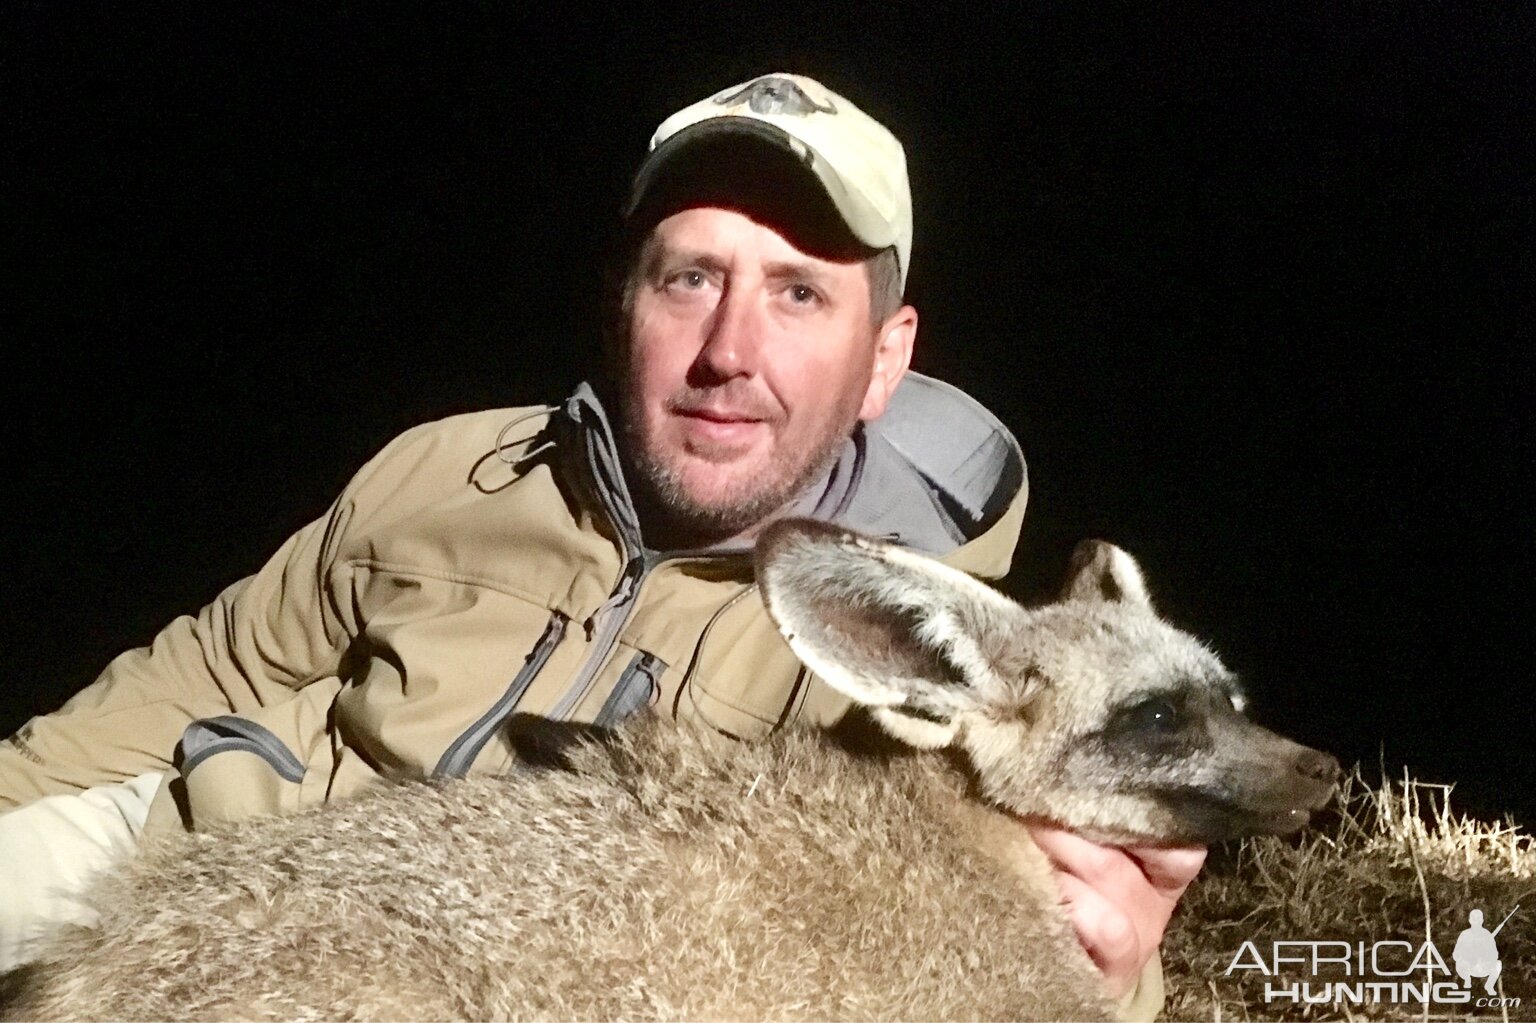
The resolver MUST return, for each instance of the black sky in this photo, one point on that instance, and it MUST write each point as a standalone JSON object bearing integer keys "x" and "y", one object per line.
{"x": 1253, "y": 290}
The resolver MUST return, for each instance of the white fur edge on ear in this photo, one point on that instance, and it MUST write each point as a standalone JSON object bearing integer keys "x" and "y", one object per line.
{"x": 916, "y": 732}
{"x": 1127, "y": 575}
{"x": 1099, "y": 570}
{"x": 861, "y": 688}
{"x": 856, "y": 686}
{"x": 951, "y": 576}
{"x": 941, "y": 628}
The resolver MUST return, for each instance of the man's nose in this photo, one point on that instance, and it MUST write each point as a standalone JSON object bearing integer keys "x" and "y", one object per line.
{"x": 733, "y": 338}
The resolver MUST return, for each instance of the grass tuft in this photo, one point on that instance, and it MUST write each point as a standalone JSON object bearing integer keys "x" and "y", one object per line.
{"x": 1389, "y": 862}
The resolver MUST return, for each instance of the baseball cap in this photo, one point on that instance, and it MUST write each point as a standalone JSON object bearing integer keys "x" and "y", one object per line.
{"x": 858, "y": 162}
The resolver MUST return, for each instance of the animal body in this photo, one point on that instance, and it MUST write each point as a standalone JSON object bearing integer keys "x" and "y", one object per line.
{"x": 667, "y": 872}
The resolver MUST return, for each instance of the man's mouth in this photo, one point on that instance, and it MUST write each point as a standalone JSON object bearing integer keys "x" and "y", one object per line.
{"x": 710, "y": 415}
{"x": 714, "y": 410}
{"x": 712, "y": 425}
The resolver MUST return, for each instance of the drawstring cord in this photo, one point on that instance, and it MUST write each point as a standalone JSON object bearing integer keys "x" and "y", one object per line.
{"x": 795, "y": 691}
{"x": 698, "y": 649}
{"x": 502, "y": 447}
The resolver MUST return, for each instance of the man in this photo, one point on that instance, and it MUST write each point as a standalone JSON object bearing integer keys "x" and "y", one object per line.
{"x": 489, "y": 573}
{"x": 1477, "y": 954}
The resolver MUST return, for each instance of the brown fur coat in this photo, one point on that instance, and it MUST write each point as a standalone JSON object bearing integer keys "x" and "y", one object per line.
{"x": 670, "y": 876}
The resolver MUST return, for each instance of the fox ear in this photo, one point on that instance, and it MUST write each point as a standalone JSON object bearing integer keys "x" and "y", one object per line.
{"x": 893, "y": 630}
{"x": 1102, "y": 571}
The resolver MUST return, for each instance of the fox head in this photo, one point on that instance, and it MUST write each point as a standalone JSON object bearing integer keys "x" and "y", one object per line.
{"x": 1091, "y": 712}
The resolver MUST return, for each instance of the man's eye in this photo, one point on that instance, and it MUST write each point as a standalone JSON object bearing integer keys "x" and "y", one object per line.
{"x": 803, "y": 294}
{"x": 685, "y": 281}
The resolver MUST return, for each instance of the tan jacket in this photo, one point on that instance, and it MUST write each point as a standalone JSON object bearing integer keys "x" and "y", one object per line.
{"x": 487, "y": 566}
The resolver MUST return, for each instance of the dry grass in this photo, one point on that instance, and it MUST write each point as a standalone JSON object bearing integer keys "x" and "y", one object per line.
{"x": 1393, "y": 862}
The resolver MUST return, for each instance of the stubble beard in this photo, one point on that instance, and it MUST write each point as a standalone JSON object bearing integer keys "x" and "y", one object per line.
{"x": 659, "y": 480}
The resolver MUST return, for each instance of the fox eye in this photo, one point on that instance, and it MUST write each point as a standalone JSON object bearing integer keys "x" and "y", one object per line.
{"x": 1153, "y": 716}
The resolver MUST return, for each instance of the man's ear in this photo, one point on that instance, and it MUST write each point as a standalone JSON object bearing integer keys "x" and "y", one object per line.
{"x": 892, "y": 356}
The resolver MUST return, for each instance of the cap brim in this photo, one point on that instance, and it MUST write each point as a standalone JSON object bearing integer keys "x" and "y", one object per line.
{"x": 666, "y": 154}
{"x": 860, "y": 218}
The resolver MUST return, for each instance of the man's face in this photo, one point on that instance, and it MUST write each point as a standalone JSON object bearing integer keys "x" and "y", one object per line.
{"x": 747, "y": 364}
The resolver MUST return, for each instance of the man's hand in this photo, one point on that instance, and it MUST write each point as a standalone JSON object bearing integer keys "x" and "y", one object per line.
{"x": 1119, "y": 899}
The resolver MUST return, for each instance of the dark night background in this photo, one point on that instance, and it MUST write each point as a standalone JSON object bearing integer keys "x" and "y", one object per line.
{"x": 1251, "y": 288}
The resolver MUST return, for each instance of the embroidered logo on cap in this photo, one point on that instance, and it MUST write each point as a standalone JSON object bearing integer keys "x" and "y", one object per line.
{"x": 773, "y": 95}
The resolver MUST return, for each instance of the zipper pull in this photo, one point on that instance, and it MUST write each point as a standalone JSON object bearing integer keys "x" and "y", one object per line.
{"x": 634, "y": 568}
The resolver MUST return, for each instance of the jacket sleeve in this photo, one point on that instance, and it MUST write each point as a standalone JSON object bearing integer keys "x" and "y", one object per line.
{"x": 1144, "y": 1002}
{"x": 260, "y": 639}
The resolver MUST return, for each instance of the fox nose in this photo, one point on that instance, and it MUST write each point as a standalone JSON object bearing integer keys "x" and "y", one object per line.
{"x": 1318, "y": 766}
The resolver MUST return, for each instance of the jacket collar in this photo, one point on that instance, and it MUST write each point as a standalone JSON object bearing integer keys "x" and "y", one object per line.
{"x": 934, "y": 473}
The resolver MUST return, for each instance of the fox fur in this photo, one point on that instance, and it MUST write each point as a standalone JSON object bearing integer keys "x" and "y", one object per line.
{"x": 664, "y": 872}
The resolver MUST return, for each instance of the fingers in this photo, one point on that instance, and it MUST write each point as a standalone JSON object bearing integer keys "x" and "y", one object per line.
{"x": 1127, "y": 876}
{"x": 1118, "y": 900}
{"x": 1108, "y": 935}
{"x": 1169, "y": 870}
{"x": 1075, "y": 854}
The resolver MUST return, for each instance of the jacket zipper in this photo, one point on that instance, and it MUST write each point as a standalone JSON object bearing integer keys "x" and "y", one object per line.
{"x": 606, "y": 624}
{"x": 228, "y": 732}
{"x": 462, "y": 752}
{"x": 626, "y": 698}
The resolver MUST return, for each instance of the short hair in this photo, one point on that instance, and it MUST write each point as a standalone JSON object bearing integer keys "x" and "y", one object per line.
{"x": 884, "y": 269}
